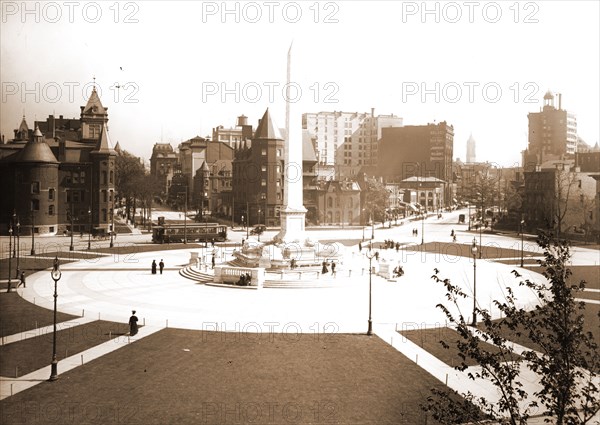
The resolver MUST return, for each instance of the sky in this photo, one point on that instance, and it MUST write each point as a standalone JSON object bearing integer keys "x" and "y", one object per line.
{"x": 169, "y": 71}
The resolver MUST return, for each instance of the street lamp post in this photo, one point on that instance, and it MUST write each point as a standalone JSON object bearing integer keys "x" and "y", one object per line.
{"x": 32, "y": 231}
{"x": 185, "y": 216}
{"x": 469, "y": 228}
{"x": 14, "y": 247}
{"x": 423, "y": 229}
{"x": 370, "y": 254}
{"x": 10, "y": 232}
{"x": 71, "y": 247}
{"x": 18, "y": 243}
{"x": 55, "y": 277}
{"x": 481, "y": 226}
{"x": 112, "y": 220}
{"x": 474, "y": 252}
{"x": 522, "y": 240}
{"x": 90, "y": 229}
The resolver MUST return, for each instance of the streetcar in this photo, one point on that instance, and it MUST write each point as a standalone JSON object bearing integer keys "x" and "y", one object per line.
{"x": 195, "y": 232}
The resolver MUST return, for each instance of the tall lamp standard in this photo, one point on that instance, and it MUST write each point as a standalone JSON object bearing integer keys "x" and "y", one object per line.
{"x": 56, "y": 274}
{"x": 32, "y": 231}
{"x": 423, "y": 228}
{"x": 370, "y": 254}
{"x": 14, "y": 247}
{"x": 90, "y": 231}
{"x": 10, "y": 232}
{"x": 112, "y": 220}
{"x": 481, "y": 226}
{"x": 474, "y": 253}
{"x": 18, "y": 243}
{"x": 522, "y": 239}
{"x": 71, "y": 248}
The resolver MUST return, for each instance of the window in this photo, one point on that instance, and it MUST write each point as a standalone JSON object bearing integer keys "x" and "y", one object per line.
{"x": 263, "y": 196}
{"x": 76, "y": 178}
{"x": 68, "y": 196}
{"x": 82, "y": 177}
{"x": 263, "y": 151}
{"x": 76, "y": 196}
{"x": 104, "y": 196}
{"x": 103, "y": 177}
{"x": 50, "y": 209}
{"x": 35, "y": 188}
{"x": 263, "y": 168}
{"x": 263, "y": 182}
{"x": 329, "y": 202}
{"x": 278, "y": 152}
{"x": 51, "y": 194}
{"x": 111, "y": 176}
{"x": 104, "y": 214}
{"x": 278, "y": 182}
{"x": 35, "y": 204}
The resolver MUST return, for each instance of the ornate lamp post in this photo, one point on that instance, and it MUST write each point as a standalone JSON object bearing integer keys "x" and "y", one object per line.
{"x": 14, "y": 247}
{"x": 474, "y": 253}
{"x": 10, "y": 232}
{"x": 56, "y": 274}
{"x": 71, "y": 247}
{"x": 370, "y": 254}
{"x": 522, "y": 239}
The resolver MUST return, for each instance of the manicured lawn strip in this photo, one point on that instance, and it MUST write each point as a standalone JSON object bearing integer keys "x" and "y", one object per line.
{"x": 18, "y": 315}
{"x": 71, "y": 255}
{"x": 190, "y": 377}
{"x": 28, "y": 264}
{"x": 134, "y": 248}
{"x": 489, "y": 252}
{"x": 429, "y": 340}
{"x": 591, "y": 275}
{"x": 34, "y": 353}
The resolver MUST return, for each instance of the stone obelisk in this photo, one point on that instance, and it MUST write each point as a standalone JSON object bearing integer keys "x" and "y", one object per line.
{"x": 292, "y": 210}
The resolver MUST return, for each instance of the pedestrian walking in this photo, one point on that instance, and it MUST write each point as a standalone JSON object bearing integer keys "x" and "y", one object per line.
{"x": 153, "y": 266}
{"x": 161, "y": 266}
{"x": 133, "y": 326}
{"x": 359, "y": 247}
{"x": 333, "y": 269}
{"x": 213, "y": 261}
{"x": 22, "y": 281}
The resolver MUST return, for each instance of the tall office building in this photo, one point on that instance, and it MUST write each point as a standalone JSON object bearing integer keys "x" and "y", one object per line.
{"x": 418, "y": 150}
{"x": 471, "y": 156}
{"x": 552, "y": 133}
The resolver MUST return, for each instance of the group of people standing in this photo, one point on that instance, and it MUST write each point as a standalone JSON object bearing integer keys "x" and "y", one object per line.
{"x": 325, "y": 268}
{"x": 161, "y": 266}
{"x": 415, "y": 232}
{"x": 390, "y": 244}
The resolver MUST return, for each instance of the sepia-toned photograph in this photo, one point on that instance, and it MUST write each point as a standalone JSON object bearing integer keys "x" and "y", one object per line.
{"x": 300, "y": 212}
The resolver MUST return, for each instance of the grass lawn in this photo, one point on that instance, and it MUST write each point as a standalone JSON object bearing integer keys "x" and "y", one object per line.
{"x": 18, "y": 315}
{"x": 22, "y": 357}
{"x": 28, "y": 264}
{"x": 429, "y": 340}
{"x": 192, "y": 377}
{"x": 489, "y": 252}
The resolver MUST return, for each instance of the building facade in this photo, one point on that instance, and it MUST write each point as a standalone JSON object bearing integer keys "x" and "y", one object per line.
{"x": 346, "y": 143}
{"x": 552, "y": 134}
{"x": 258, "y": 173}
{"x": 63, "y": 177}
{"x": 423, "y": 151}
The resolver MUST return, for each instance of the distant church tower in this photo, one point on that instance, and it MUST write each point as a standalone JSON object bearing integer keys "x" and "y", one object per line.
{"x": 471, "y": 157}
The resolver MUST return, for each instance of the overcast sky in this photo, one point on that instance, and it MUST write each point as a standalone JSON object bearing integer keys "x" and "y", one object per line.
{"x": 185, "y": 67}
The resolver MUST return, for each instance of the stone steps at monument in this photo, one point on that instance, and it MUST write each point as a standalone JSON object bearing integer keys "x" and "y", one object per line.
{"x": 190, "y": 272}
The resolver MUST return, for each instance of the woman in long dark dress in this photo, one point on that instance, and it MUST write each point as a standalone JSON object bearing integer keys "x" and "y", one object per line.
{"x": 153, "y": 266}
{"x": 133, "y": 326}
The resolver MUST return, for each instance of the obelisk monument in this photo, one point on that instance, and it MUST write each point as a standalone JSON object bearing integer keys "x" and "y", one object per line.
{"x": 292, "y": 210}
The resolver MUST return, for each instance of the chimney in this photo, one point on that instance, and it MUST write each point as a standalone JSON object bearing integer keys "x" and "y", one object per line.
{"x": 559, "y": 101}
{"x": 242, "y": 120}
{"x": 372, "y": 112}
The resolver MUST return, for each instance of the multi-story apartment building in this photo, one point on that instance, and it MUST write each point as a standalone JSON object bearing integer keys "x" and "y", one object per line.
{"x": 242, "y": 131}
{"x": 346, "y": 143}
{"x": 258, "y": 173}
